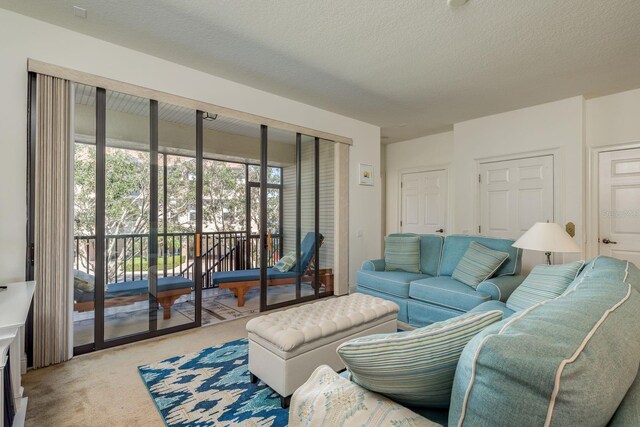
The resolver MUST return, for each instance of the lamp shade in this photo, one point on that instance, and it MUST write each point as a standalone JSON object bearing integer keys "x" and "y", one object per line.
{"x": 547, "y": 237}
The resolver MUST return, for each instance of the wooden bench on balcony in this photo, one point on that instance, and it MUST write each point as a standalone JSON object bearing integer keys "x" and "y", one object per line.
{"x": 126, "y": 293}
{"x": 240, "y": 281}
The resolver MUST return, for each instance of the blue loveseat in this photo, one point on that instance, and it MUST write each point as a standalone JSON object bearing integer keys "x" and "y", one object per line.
{"x": 432, "y": 295}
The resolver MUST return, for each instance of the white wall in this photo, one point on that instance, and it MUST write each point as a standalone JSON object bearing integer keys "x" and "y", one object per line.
{"x": 412, "y": 156}
{"x": 556, "y": 127}
{"x": 25, "y": 37}
{"x": 613, "y": 119}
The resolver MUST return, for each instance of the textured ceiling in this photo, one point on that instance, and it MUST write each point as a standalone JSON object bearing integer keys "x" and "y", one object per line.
{"x": 413, "y": 67}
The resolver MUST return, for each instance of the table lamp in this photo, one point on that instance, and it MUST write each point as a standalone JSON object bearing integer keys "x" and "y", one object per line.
{"x": 548, "y": 237}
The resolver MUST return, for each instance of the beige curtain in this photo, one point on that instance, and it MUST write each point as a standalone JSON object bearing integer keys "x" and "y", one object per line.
{"x": 53, "y": 222}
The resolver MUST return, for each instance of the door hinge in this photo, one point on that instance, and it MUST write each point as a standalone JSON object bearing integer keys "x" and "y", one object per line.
{"x": 479, "y": 178}
{"x": 401, "y": 184}
{"x": 479, "y": 229}
{"x": 400, "y": 223}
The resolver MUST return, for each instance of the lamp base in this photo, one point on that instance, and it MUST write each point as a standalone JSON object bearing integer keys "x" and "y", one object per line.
{"x": 548, "y": 254}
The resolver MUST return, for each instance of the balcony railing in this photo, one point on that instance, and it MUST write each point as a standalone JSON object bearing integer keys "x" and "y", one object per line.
{"x": 127, "y": 255}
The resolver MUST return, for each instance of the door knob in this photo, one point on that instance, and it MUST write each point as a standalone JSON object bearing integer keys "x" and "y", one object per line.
{"x": 440, "y": 230}
{"x": 608, "y": 242}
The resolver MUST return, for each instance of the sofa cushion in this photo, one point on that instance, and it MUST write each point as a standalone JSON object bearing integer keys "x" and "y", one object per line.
{"x": 493, "y": 305}
{"x": 448, "y": 292}
{"x": 389, "y": 282}
{"x": 628, "y": 413}
{"x": 543, "y": 283}
{"x": 424, "y": 314}
{"x": 416, "y": 367}
{"x": 604, "y": 267}
{"x": 402, "y": 253}
{"x": 566, "y": 361}
{"x": 456, "y": 245}
{"x": 327, "y": 399}
{"x": 478, "y": 264}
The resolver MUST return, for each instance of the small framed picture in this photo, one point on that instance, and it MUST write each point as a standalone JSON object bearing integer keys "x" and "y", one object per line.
{"x": 366, "y": 174}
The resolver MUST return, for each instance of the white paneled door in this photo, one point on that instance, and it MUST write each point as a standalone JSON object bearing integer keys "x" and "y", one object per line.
{"x": 424, "y": 202}
{"x": 619, "y": 204}
{"x": 514, "y": 195}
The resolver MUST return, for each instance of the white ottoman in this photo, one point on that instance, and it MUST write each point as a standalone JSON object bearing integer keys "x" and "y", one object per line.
{"x": 285, "y": 347}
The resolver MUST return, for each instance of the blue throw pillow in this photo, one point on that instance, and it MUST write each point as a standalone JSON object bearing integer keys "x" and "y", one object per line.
{"x": 415, "y": 368}
{"x": 545, "y": 282}
{"x": 478, "y": 264}
{"x": 402, "y": 253}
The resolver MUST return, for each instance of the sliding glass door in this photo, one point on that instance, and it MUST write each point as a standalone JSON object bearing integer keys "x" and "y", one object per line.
{"x": 184, "y": 217}
{"x": 137, "y": 271}
{"x": 305, "y": 237}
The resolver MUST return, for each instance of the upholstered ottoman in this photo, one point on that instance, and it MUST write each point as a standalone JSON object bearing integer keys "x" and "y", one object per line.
{"x": 285, "y": 347}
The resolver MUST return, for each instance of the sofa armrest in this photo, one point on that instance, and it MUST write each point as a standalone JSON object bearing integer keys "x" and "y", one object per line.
{"x": 500, "y": 288}
{"x": 373, "y": 265}
{"x": 327, "y": 397}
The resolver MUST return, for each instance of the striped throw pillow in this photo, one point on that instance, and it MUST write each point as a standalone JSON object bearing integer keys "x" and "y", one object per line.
{"x": 286, "y": 263}
{"x": 414, "y": 368}
{"x": 545, "y": 282}
{"x": 402, "y": 253}
{"x": 478, "y": 264}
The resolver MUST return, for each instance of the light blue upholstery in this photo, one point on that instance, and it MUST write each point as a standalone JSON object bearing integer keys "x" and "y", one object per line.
{"x": 450, "y": 298}
{"x": 500, "y": 288}
{"x": 543, "y": 283}
{"x": 628, "y": 413}
{"x": 493, "y": 305}
{"x": 423, "y": 314}
{"x": 402, "y": 253}
{"x": 568, "y": 361}
{"x": 389, "y": 282}
{"x": 430, "y": 251}
{"x": 608, "y": 268}
{"x": 414, "y": 367}
{"x": 478, "y": 264}
{"x": 403, "y": 314}
{"x": 520, "y": 361}
{"x": 448, "y": 292}
{"x": 373, "y": 265}
{"x": 455, "y": 247}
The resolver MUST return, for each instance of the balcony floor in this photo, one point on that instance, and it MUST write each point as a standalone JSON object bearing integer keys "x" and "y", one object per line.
{"x": 218, "y": 305}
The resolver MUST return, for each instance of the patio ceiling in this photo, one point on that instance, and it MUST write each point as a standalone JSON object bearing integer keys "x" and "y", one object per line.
{"x": 129, "y": 104}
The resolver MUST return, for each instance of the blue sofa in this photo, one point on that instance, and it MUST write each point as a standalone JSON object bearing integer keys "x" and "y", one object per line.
{"x": 432, "y": 295}
{"x": 571, "y": 360}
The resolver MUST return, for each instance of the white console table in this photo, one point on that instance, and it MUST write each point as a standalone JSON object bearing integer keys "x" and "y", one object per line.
{"x": 14, "y": 307}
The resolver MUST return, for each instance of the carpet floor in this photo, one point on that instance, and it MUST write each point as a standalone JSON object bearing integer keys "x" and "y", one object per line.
{"x": 212, "y": 387}
{"x": 104, "y": 388}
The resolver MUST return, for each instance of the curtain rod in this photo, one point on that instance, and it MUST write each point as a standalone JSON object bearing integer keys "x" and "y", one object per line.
{"x": 131, "y": 89}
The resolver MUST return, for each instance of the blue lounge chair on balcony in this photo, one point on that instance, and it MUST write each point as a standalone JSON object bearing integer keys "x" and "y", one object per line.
{"x": 125, "y": 293}
{"x": 240, "y": 281}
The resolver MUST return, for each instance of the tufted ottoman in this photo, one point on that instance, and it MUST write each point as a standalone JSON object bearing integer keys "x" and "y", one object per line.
{"x": 285, "y": 347}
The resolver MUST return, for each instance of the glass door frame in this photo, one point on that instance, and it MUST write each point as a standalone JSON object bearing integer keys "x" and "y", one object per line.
{"x": 152, "y": 277}
{"x": 264, "y": 306}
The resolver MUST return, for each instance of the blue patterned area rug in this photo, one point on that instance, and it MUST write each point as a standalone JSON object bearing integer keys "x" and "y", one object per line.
{"x": 212, "y": 388}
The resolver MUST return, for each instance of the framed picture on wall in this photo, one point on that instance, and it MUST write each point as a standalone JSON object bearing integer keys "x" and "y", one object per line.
{"x": 366, "y": 174}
